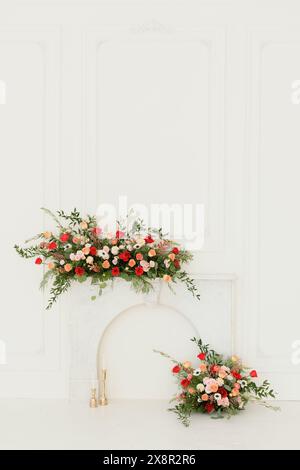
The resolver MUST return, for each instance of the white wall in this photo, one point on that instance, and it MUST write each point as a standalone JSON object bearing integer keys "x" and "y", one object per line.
{"x": 201, "y": 91}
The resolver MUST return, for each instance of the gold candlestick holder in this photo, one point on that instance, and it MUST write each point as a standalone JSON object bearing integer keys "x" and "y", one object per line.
{"x": 102, "y": 399}
{"x": 93, "y": 399}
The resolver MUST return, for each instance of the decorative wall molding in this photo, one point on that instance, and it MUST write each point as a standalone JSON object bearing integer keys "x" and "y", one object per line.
{"x": 46, "y": 356}
{"x": 260, "y": 40}
{"x": 213, "y": 40}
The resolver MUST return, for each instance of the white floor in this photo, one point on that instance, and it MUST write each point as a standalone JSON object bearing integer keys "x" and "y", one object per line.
{"x": 49, "y": 424}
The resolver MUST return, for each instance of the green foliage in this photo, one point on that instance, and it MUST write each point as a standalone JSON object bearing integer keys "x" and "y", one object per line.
{"x": 30, "y": 252}
{"x": 60, "y": 285}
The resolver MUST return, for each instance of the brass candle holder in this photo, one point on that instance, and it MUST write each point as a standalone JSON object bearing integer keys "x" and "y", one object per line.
{"x": 102, "y": 399}
{"x": 93, "y": 399}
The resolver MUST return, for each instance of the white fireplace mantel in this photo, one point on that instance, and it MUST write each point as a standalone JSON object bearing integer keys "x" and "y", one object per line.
{"x": 92, "y": 324}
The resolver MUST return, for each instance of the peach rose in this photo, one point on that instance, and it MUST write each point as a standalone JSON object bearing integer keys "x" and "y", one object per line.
{"x": 47, "y": 234}
{"x": 105, "y": 264}
{"x": 86, "y": 250}
{"x": 68, "y": 267}
{"x": 131, "y": 262}
{"x": 167, "y": 278}
{"x": 191, "y": 390}
{"x": 114, "y": 241}
{"x": 214, "y": 387}
{"x": 151, "y": 253}
{"x": 204, "y": 397}
{"x": 222, "y": 374}
{"x": 76, "y": 240}
{"x": 172, "y": 256}
{"x": 187, "y": 365}
{"x": 203, "y": 367}
{"x": 235, "y": 392}
{"x": 83, "y": 225}
{"x": 51, "y": 265}
{"x": 139, "y": 256}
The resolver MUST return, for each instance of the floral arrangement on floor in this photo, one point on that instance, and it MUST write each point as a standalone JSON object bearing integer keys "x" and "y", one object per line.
{"x": 218, "y": 386}
{"x": 80, "y": 250}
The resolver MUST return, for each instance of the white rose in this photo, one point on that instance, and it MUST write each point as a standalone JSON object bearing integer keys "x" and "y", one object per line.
{"x": 77, "y": 257}
{"x": 152, "y": 264}
{"x": 115, "y": 250}
{"x": 140, "y": 241}
{"x": 129, "y": 247}
{"x": 90, "y": 260}
{"x": 200, "y": 387}
{"x": 62, "y": 262}
{"x": 106, "y": 249}
{"x": 220, "y": 381}
{"x": 115, "y": 260}
{"x": 72, "y": 256}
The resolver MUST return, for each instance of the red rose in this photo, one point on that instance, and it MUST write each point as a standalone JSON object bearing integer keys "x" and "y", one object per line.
{"x": 38, "y": 261}
{"x": 115, "y": 271}
{"x": 185, "y": 383}
{"x": 139, "y": 271}
{"x": 253, "y": 373}
{"x": 125, "y": 256}
{"x": 96, "y": 231}
{"x": 223, "y": 392}
{"x": 176, "y": 369}
{"x": 52, "y": 246}
{"x": 93, "y": 250}
{"x": 120, "y": 234}
{"x": 236, "y": 375}
{"x": 149, "y": 239}
{"x": 79, "y": 271}
{"x": 175, "y": 250}
{"x": 209, "y": 407}
{"x": 214, "y": 368}
{"x": 201, "y": 356}
{"x": 176, "y": 263}
{"x": 64, "y": 237}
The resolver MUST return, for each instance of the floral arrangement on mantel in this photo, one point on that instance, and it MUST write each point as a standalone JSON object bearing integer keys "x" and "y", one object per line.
{"x": 219, "y": 386}
{"x": 80, "y": 250}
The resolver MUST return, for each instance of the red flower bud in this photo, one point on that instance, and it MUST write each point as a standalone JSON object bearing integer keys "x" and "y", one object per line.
{"x": 201, "y": 356}
{"x": 253, "y": 373}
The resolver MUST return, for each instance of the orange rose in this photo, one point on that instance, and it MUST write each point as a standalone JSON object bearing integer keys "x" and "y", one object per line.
{"x": 204, "y": 397}
{"x": 167, "y": 278}
{"x": 51, "y": 265}
{"x": 214, "y": 387}
{"x": 191, "y": 390}
{"x": 139, "y": 256}
{"x": 203, "y": 367}
{"x": 151, "y": 253}
{"x": 105, "y": 264}
{"x": 68, "y": 267}
{"x": 172, "y": 256}
{"x": 131, "y": 262}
